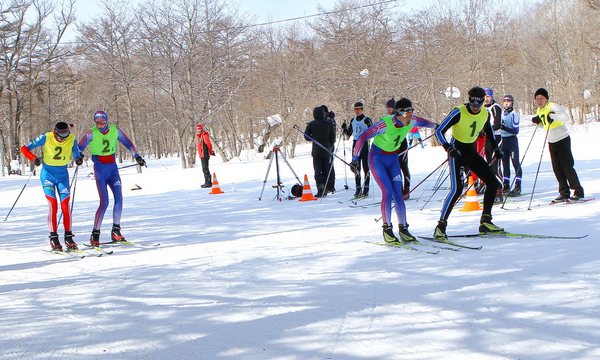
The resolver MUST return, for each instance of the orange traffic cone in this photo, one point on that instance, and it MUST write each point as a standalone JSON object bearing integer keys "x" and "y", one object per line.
{"x": 216, "y": 189}
{"x": 307, "y": 194}
{"x": 471, "y": 203}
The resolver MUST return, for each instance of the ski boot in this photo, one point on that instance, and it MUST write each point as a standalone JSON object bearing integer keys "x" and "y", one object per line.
{"x": 405, "y": 236}
{"x": 365, "y": 192}
{"x": 487, "y": 227}
{"x": 115, "y": 234}
{"x": 357, "y": 192}
{"x": 206, "y": 185}
{"x": 320, "y": 191}
{"x": 69, "y": 243}
{"x": 388, "y": 234}
{"x": 578, "y": 195}
{"x": 95, "y": 238}
{"x": 561, "y": 198}
{"x": 516, "y": 191}
{"x": 54, "y": 243}
{"x": 440, "y": 230}
{"x": 506, "y": 188}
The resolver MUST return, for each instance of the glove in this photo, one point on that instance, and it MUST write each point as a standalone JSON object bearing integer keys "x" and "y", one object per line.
{"x": 498, "y": 153}
{"x": 536, "y": 120}
{"x": 140, "y": 160}
{"x": 502, "y": 127}
{"x": 344, "y": 126}
{"x": 37, "y": 161}
{"x": 354, "y": 166}
{"x": 550, "y": 120}
{"x": 212, "y": 153}
{"x": 452, "y": 151}
{"x": 79, "y": 161}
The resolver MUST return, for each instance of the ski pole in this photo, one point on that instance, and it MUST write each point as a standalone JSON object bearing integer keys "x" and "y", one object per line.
{"x": 538, "y": 168}
{"x": 520, "y": 165}
{"x": 320, "y": 145}
{"x": 438, "y": 186}
{"x": 71, "y": 185}
{"x": 331, "y": 166}
{"x": 422, "y": 181}
{"x": 13, "y": 206}
{"x": 345, "y": 172}
{"x": 413, "y": 146}
{"x": 127, "y": 166}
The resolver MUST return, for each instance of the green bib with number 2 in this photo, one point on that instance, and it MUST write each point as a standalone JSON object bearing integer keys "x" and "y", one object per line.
{"x": 104, "y": 144}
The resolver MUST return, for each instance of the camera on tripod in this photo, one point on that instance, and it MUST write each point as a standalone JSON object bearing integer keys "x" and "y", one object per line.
{"x": 275, "y": 153}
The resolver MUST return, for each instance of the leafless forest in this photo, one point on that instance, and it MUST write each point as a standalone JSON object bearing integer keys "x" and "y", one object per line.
{"x": 160, "y": 67}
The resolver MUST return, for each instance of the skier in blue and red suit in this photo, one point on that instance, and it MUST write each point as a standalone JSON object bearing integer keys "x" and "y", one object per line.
{"x": 58, "y": 147}
{"x": 389, "y": 133}
{"x": 102, "y": 140}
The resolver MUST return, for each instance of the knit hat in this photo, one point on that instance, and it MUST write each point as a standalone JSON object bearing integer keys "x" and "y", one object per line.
{"x": 390, "y": 103}
{"x": 200, "y": 127}
{"x": 358, "y": 105}
{"x": 489, "y": 92}
{"x": 543, "y": 92}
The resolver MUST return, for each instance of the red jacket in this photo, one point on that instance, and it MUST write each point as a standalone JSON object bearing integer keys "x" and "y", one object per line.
{"x": 203, "y": 137}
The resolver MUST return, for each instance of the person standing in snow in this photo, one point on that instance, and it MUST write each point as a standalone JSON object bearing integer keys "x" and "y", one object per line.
{"x": 323, "y": 131}
{"x": 330, "y": 186}
{"x": 205, "y": 150}
{"x": 510, "y": 146}
{"x": 358, "y": 125}
{"x": 58, "y": 147}
{"x": 467, "y": 121}
{"x": 389, "y": 132}
{"x": 553, "y": 117}
{"x": 102, "y": 140}
{"x": 403, "y": 154}
{"x": 495, "y": 111}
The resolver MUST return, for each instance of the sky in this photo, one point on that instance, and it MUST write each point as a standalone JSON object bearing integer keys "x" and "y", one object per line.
{"x": 235, "y": 278}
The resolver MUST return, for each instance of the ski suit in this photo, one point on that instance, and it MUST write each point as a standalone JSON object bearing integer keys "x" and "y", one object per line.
{"x": 510, "y": 146}
{"x": 358, "y": 125}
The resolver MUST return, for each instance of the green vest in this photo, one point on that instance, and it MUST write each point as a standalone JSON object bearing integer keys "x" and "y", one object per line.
{"x": 467, "y": 129}
{"x": 391, "y": 139}
{"x": 104, "y": 144}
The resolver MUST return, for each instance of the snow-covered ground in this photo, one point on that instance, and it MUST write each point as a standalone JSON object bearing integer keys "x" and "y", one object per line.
{"x": 239, "y": 278}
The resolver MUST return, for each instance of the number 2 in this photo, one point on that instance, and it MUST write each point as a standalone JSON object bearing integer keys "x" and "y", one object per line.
{"x": 106, "y": 144}
{"x": 57, "y": 156}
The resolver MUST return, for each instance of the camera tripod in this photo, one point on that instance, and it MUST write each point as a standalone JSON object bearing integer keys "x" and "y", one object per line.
{"x": 275, "y": 154}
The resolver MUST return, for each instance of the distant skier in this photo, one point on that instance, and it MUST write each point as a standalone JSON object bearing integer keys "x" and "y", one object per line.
{"x": 205, "y": 150}
{"x": 389, "y": 132}
{"x": 510, "y": 146}
{"x": 466, "y": 122}
{"x": 358, "y": 125}
{"x": 415, "y": 135}
{"x": 102, "y": 140}
{"x": 553, "y": 117}
{"x": 58, "y": 147}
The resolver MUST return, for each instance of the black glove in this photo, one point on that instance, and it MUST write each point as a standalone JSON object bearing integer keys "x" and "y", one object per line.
{"x": 344, "y": 126}
{"x": 536, "y": 120}
{"x": 37, "y": 162}
{"x": 140, "y": 160}
{"x": 502, "y": 127}
{"x": 79, "y": 161}
{"x": 498, "y": 153}
{"x": 451, "y": 150}
{"x": 550, "y": 120}
{"x": 212, "y": 153}
{"x": 354, "y": 166}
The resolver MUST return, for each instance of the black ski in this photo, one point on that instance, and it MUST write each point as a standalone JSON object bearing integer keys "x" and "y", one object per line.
{"x": 451, "y": 243}
{"x": 404, "y": 246}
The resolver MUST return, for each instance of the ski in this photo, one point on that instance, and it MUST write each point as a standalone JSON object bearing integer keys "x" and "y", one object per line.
{"x": 365, "y": 206}
{"x": 451, "y": 243}
{"x": 99, "y": 249}
{"x": 131, "y": 243}
{"x": 404, "y": 246}
{"x": 569, "y": 201}
{"x": 65, "y": 254}
{"x": 517, "y": 235}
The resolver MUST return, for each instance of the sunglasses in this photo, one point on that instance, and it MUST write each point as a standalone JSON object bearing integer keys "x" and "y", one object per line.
{"x": 100, "y": 118}
{"x": 62, "y": 134}
{"x": 476, "y": 101}
{"x": 406, "y": 112}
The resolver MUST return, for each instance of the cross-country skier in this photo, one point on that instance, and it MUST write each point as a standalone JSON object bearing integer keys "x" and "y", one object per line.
{"x": 102, "y": 140}
{"x": 403, "y": 154}
{"x": 58, "y": 147}
{"x": 389, "y": 132}
{"x": 358, "y": 125}
{"x": 467, "y": 121}
{"x": 495, "y": 111}
{"x": 510, "y": 146}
